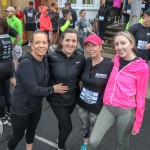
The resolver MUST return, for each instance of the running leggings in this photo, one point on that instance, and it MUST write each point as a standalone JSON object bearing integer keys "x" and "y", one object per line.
{"x": 20, "y": 123}
{"x": 4, "y": 96}
{"x": 63, "y": 115}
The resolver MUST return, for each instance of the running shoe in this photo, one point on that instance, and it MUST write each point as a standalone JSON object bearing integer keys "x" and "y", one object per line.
{"x": 83, "y": 147}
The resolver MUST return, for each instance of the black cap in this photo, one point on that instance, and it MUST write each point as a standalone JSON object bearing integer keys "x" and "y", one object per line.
{"x": 67, "y": 3}
{"x": 65, "y": 12}
{"x": 147, "y": 12}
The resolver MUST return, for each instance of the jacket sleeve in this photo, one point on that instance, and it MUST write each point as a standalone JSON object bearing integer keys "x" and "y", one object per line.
{"x": 27, "y": 76}
{"x": 65, "y": 26}
{"x": 142, "y": 82}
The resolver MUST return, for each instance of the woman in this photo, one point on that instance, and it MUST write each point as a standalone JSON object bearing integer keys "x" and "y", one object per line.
{"x": 124, "y": 97}
{"x": 6, "y": 66}
{"x": 103, "y": 14}
{"x": 94, "y": 79}
{"x": 32, "y": 76}
{"x": 66, "y": 65}
{"x": 83, "y": 26}
{"x": 19, "y": 13}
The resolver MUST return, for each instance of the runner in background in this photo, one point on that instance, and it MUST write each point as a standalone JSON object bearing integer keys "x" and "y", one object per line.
{"x": 38, "y": 17}
{"x": 54, "y": 18}
{"x": 15, "y": 23}
{"x": 30, "y": 20}
{"x": 6, "y": 67}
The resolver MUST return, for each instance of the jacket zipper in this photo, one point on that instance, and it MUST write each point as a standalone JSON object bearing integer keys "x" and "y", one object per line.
{"x": 116, "y": 79}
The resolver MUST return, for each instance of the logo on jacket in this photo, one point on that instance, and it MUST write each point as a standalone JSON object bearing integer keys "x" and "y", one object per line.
{"x": 103, "y": 76}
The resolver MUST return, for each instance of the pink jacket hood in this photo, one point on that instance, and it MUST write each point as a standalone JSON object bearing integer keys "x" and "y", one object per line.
{"x": 126, "y": 88}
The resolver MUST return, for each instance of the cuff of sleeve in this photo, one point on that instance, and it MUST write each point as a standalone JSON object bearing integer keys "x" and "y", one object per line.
{"x": 51, "y": 90}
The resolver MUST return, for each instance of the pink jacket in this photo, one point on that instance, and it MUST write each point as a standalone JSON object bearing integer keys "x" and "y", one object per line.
{"x": 127, "y": 88}
{"x": 45, "y": 22}
{"x": 117, "y": 3}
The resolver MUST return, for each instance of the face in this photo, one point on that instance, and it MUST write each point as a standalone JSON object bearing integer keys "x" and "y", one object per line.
{"x": 67, "y": 6}
{"x": 10, "y": 13}
{"x": 123, "y": 47}
{"x": 69, "y": 43}
{"x": 39, "y": 45}
{"x": 68, "y": 15}
{"x": 55, "y": 6}
{"x": 30, "y": 6}
{"x": 147, "y": 20}
{"x": 40, "y": 10}
{"x": 102, "y": 2}
{"x": 83, "y": 14}
{"x": 93, "y": 50}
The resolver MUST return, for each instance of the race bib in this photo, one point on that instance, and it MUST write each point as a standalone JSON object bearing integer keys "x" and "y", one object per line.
{"x": 30, "y": 14}
{"x": 141, "y": 44}
{"x": 143, "y": 5}
{"x": 85, "y": 29}
{"x": 101, "y": 18}
{"x": 89, "y": 96}
{"x": 128, "y": 11}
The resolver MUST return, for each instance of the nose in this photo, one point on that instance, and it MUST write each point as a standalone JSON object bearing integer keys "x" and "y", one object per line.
{"x": 119, "y": 46}
{"x": 41, "y": 44}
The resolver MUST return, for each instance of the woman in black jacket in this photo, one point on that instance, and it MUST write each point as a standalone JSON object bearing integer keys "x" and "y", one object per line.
{"x": 66, "y": 65}
{"x": 32, "y": 77}
{"x": 6, "y": 66}
{"x": 103, "y": 14}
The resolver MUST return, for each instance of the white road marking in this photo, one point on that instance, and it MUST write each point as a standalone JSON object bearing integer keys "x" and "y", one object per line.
{"x": 43, "y": 140}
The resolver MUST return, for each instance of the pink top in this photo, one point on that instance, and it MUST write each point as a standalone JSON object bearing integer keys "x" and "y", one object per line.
{"x": 126, "y": 88}
{"x": 117, "y": 3}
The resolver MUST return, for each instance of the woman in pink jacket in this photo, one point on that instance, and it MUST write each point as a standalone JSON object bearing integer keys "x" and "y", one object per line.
{"x": 45, "y": 22}
{"x": 124, "y": 97}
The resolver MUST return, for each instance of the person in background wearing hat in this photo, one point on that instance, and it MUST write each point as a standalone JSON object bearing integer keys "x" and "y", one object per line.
{"x": 141, "y": 33}
{"x": 65, "y": 22}
{"x": 30, "y": 20}
{"x": 124, "y": 96}
{"x": 73, "y": 12}
{"x": 45, "y": 22}
{"x": 93, "y": 82}
{"x": 15, "y": 23}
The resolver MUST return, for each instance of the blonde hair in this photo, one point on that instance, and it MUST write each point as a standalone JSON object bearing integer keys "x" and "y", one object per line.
{"x": 128, "y": 35}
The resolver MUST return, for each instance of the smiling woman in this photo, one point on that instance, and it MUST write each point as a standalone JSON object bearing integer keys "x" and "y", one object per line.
{"x": 65, "y": 65}
{"x": 32, "y": 77}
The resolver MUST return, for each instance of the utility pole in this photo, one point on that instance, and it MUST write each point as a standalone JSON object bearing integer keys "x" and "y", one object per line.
{"x": 135, "y": 11}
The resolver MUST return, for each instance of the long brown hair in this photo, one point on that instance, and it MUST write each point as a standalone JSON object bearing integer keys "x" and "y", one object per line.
{"x": 4, "y": 25}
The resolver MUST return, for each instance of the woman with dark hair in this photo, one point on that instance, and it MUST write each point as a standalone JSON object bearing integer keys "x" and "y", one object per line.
{"x": 66, "y": 65}
{"x": 6, "y": 66}
{"x": 32, "y": 76}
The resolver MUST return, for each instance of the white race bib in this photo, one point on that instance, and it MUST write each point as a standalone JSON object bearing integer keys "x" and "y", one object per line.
{"x": 30, "y": 14}
{"x": 141, "y": 44}
{"x": 89, "y": 96}
{"x": 101, "y": 18}
{"x": 128, "y": 11}
{"x": 85, "y": 29}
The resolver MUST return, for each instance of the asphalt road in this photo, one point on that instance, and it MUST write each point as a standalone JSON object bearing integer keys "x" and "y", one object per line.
{"x": 47, "y": 132}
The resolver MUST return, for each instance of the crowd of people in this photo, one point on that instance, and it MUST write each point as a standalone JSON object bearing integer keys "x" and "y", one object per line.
{"x": 105, "y": 91}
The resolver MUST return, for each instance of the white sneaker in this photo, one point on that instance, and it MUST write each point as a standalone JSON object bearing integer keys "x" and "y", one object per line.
{"x": 54, "y": 46}
{"x": 29, "y": 44}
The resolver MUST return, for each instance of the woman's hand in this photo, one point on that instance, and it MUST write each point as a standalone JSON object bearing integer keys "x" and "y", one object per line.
{"x": 59, "y": 88}
{"x": 13, "y": 81}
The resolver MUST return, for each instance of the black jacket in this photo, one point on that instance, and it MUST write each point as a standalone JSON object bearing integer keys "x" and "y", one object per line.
{"x": 32, "y": 77}
{"x": 66, "y": 70}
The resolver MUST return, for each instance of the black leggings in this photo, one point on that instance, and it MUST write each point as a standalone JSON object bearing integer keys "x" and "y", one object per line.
{"x": 63, "y": 115}
{"x": 20, "y": 123}
{"x": 4, "y": 96}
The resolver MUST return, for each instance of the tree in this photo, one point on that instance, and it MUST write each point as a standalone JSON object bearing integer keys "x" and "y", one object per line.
{"x": 135, "y": 11}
